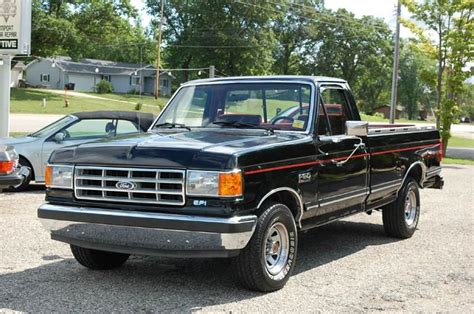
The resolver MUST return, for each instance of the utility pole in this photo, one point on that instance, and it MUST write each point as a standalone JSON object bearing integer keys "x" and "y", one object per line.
{"x": 158, "y": 51}
{"x": 212, "y": 71}
{"x": 5, "y": 77}
{"x": 393, "y": 99}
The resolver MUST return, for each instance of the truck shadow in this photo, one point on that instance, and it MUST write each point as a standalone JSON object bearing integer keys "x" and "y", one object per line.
{"x": 159, "y": 284}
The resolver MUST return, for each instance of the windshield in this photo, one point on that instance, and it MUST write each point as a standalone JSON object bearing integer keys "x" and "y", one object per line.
{"x": 278, "y": 106}
{"x": 57, "y": 125}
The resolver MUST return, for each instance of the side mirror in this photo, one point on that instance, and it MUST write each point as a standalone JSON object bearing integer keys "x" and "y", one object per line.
{"x": 278, "y": 110}
{"x": 59, "y": 137}
{"x": 357, "y": 128}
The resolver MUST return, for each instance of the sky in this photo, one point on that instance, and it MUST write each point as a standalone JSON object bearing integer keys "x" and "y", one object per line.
{"x": 379, "y": 8}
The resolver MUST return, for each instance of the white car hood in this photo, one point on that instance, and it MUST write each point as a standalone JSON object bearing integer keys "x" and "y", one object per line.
{"x": 12, "y": 141}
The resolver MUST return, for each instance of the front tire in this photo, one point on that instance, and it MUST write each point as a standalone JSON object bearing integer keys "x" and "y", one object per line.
{"x": 269, "y": 258}
{"x": 400, "y": 218}
{"x": 98, "y": 260}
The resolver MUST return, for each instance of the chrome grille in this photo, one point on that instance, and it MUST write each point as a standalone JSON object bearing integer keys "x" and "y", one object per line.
{"x": 148, "y": 186}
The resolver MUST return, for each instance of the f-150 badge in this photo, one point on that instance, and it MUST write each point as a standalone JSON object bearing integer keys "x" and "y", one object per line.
{"x": 304, "y": 177}
{"x": 7, "y": 9}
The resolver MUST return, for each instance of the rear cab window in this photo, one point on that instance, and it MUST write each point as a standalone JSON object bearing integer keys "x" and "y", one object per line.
{"x": 334, "y": 111}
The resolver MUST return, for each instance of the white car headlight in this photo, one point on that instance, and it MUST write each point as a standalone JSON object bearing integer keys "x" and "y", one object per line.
{"x": 59, "y": 176}
{"x": 213, "y": 183}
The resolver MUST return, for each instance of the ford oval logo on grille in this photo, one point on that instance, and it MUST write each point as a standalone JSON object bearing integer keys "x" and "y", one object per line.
{"x": 126, "y": 185}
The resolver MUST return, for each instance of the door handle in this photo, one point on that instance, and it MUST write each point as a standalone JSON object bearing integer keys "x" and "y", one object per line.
{"x": 340, "y": 163}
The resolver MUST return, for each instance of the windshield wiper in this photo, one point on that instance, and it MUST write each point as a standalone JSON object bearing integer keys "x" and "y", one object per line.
{"x": 239, "y": 124}
{"x": 170, "y": 125}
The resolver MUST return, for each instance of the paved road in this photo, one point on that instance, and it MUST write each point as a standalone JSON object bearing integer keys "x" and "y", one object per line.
{"x": 460, "y": 152}
{"x": 348, "y": 266}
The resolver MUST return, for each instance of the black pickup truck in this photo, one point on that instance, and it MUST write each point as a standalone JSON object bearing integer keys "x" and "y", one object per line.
{"x": 11, "y": 174}
{"x": 236, "y": 167}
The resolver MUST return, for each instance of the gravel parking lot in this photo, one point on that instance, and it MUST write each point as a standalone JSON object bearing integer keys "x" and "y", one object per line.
{"x": 346, "y": 266}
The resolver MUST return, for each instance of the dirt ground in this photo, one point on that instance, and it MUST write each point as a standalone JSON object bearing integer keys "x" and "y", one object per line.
{"x": 348, "y": 266}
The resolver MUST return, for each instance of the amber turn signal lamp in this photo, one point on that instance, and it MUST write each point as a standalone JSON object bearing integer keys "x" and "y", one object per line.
{"x": 230, "y": 184}
{"x": 48, "y": 175}
{"x": 7, "y": 167}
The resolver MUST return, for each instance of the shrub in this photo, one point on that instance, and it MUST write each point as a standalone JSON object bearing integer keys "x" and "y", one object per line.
{"x": 104, "y": 87}
{"x": 379, "y": 115}
{"x": 138, "y": 106}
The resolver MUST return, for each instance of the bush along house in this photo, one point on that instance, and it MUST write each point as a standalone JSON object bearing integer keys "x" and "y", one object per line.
{"x": 83, "y": 75}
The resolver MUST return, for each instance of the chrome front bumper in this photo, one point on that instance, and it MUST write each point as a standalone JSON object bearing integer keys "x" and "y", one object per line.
{"x": 147, "y": 233}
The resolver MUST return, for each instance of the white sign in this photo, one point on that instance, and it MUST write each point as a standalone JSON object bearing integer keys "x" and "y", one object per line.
{"x": 15, "y": 27}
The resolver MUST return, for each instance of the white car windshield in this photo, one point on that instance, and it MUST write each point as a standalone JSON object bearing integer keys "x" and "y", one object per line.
{"x": 242, "y": 105}
{"x": 55, "y": 126}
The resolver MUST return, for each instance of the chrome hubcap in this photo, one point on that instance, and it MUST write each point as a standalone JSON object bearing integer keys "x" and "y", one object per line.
{"x": 277, "y": 247}
{"x": 410, "y": 208}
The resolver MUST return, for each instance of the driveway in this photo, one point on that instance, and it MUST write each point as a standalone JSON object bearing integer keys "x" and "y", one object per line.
{"x": 460, "y": 152}
{"x": 84, "y": 95}
{"x": 347, "y": 266}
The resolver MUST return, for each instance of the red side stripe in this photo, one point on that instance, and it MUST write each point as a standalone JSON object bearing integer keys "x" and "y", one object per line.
{"x": 311, "y": 163}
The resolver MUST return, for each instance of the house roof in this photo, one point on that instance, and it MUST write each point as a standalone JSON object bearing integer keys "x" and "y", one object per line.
{"x": 93, "y": 66}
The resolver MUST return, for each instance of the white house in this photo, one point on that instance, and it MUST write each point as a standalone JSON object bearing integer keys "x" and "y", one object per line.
{"x": 56, "y": 72}
{"x": 17, "y": 73}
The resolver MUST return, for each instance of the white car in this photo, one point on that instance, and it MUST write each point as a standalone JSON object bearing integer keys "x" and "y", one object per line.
{"x": 34, "y": 149}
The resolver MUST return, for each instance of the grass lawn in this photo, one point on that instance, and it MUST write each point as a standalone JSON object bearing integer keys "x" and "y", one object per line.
{"x": 31, "y": 101}
{"x": 144, "y": 99}
{"x": 457, "y": 141}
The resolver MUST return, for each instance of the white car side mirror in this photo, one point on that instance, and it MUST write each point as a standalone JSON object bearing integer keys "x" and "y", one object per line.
{"x": 59, "y": 137}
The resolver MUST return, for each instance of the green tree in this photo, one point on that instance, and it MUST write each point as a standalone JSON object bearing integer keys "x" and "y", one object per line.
{"x": 293, "y": 28}
{"x": 452, "y": 22}
{"x": 416, "y": 80}
{"x": 358, "y": 50}
{"x": 100, "y": 29}
{"x": 234, "y": 36}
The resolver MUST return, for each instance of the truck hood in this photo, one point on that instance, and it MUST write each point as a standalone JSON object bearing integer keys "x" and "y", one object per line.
{"x": 203, "y": 149}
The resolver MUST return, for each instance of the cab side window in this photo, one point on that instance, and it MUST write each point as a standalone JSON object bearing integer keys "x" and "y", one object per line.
{"x": 336, "y": 108}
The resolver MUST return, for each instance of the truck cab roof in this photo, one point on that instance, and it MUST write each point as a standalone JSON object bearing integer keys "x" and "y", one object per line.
{"x": 283, "y": 78}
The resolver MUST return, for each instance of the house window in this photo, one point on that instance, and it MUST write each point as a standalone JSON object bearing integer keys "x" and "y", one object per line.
{"x": 165, "y": 83}
{"x": 105, "y": 78}
{"x": 134, "y": 80}
{"x": 44, "y": 78}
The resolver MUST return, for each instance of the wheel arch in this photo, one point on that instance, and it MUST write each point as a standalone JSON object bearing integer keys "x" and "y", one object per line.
{"x": 417, "y": 171}
{"x": 289, "y": 197}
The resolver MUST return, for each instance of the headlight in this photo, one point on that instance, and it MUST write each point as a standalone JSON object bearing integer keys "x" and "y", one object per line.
{"x": 59, "y": 176}
{"x": 212, "y": 183}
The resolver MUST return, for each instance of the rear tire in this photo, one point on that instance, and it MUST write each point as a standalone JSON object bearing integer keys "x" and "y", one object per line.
{"x": 98, "y": 260}
{"x": 269, "y": 258}
{"x": 400, "y": 218}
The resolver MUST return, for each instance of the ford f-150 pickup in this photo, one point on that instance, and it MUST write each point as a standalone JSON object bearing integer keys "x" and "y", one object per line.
{"x": 236, "y": 167}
